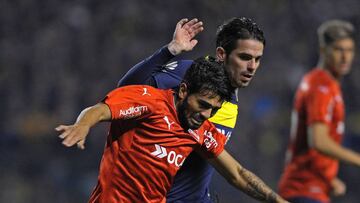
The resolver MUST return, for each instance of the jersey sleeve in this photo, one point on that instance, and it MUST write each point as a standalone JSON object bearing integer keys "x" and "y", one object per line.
{"x": 129, "y": 103}
{"x": 214, "y": 142}
{"x": 142, "y": 72}
{"x": 319, "y": 105}
{"x": 171, "y": 74}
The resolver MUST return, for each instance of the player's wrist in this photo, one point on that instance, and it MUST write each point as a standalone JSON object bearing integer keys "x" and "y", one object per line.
{"x": 82, "y": 125}
{"x": 174, "y": 48}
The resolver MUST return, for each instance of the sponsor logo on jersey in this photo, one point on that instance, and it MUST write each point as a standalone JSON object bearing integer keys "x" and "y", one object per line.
{"x": 170, "y": 66}
{"x": 340, "y": 128}
{"x": 330, "y": 110}
{"x": 338, "y": 98}
{"x": 304, "y": 86}
{"x": 172, "y": 157}
{"x": 315, "y": 189}
{"x": 146, "y": 92}
{"x": 209, "y": 141}
{"x": 194, "y": 134}
{"x": 323, "y": 89}
{"x": 227, "y": 133}
{"x": 133, "y": 111}
{"x": 159, "y": 152}
{"x": 168, "y": 121}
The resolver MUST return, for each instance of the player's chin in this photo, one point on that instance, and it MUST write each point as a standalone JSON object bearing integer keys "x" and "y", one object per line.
{"x": 194, "y": 125}
{"x": 345, "y": 71}
{"x": 242, "y": 84}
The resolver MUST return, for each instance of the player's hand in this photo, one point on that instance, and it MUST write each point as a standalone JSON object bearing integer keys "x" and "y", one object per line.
{"x": 73, "y": 134}
{"x": 183, "y": 38}
{"x": 338, "y": 187}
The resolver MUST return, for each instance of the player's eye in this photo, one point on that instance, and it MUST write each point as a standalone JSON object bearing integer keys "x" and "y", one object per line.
{"x": 245, "y": 57}
{"x": 204, "y": 105}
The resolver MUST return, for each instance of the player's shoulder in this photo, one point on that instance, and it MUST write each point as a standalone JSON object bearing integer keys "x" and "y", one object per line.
{"x": 318, "y": 80}
{"x": 146, "y": 91}
{"x": 319, "y": 76}
{"x": 171, "y": 74}
{"x": 211, "y": 135}
{"x": 208, "y": 125}
{"x": 179, "y": 66}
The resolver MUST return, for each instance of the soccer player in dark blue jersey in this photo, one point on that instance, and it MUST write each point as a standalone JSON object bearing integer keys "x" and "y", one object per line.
{"x": 239, "y": 44}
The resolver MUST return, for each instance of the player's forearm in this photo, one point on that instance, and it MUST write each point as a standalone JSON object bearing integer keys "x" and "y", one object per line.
{"x": 334, "y": 150}
{"x": 321, "y": 141}
{"x": 94, "y": 114}
{"x": 174, "y": 48}
{"x": 256, "y": 188}
{"x": 243, "y": 179}
{"x": 141, "y": 72}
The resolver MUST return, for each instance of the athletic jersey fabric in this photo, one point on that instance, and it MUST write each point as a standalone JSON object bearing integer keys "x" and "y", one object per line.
{"x": 146, "y": 145}
{"x": 308, "y": 173}
{"x": 192, "y": 181}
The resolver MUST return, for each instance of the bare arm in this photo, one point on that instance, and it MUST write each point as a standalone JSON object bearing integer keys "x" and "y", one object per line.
{"x": 183, "y": 40}
{"x": 76, "y": 133}
{"x": 320, "y": 140}
{"x": 338, "y": 187}
{"x": 243, "y": 179}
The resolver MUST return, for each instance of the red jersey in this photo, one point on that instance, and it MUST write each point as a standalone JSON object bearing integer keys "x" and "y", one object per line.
{"x": 146, "y": 145}
{"x": 308, "y": 173}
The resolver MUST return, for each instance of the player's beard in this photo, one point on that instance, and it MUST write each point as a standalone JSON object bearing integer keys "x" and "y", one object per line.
{"x": 184, "y": 122}
{"x": 181, "y": 114}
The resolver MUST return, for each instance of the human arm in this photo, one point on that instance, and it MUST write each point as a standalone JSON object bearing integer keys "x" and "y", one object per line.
{"x": 243, "y": 179}
{"x": 76, "y": 133}
{"x": 183, "y": 40}
{"x": 320, "y": 140}
{"x": 338, "y": 187}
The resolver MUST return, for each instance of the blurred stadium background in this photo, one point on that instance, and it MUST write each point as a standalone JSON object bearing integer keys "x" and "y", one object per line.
{"x": 58, "y": 57}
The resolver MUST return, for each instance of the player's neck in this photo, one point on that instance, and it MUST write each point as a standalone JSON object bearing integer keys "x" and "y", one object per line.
{"x": 176, "y": 99}
{"x": 329, "y": 69}
{"x": 332, "y": 74}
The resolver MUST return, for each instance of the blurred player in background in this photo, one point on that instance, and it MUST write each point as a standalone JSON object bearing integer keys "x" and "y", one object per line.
{"x": 310, "y": 174}
{"x": 239, "y": 45}
{"x": 153, "y": 131}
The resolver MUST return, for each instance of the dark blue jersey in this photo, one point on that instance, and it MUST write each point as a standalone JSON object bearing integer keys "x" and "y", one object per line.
{"x": 191, "y": 183}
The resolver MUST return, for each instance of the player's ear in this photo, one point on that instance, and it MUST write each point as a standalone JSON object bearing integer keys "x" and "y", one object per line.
{"x": 220, "y": 54}
{"x": 183, "y": 90}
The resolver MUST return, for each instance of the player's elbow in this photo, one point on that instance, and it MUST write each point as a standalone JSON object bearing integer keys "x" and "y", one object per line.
{"x": 237, "y": 180}
{"x": 318, "y": 145}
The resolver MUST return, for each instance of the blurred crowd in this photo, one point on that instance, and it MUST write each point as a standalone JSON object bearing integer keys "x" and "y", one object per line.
{"x": 58, "y": 57}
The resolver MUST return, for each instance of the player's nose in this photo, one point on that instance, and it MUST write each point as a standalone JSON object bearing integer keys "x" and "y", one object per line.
{"x": 206, "y": 114}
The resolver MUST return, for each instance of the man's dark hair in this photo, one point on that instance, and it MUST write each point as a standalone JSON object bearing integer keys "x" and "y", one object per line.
{"x": 333, "y": 30}
{"x": 206, "y": 75}
{"x": 234, "y": 29}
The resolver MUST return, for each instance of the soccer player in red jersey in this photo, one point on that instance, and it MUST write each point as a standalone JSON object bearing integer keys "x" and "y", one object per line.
{"x": 239, "y": 45}
{"x": 153, "y": 131}
{"x": 310, "y": 174}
